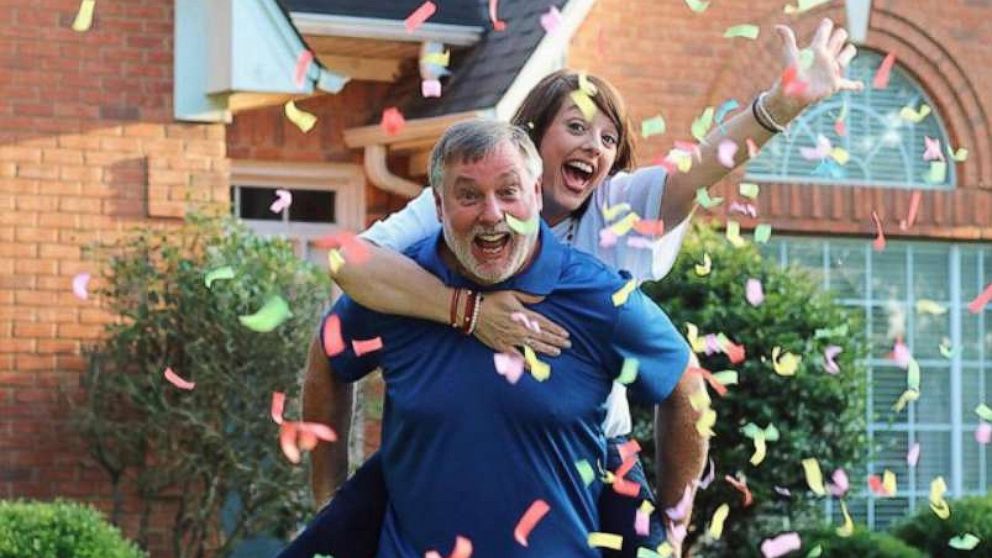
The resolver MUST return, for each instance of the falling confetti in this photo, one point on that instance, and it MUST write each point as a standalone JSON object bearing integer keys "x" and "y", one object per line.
{"x": 726, "y": 152}
{"x": 814, "y": 477}
{"x": 784, "y": 362}
{"x": 698, "y": 6}
{"x": 274, "y": 312}
{"x": 302, "y": 119}
{"x": 628, "y": 372}
{"x": 530, "y": 519}
{"x": 278, "y": 406}
{"x": 526, "y": 228}
{"x": 605, "y": 540}
{"x": 976, "y": 305}
{"x": 79, "y": 284}
{"x": 915, "y": 116}
{"x": 331, "y": 336}
{"x": 364, "y": 346}
{"x": 780, "y": 545}
{"x": 719, "y": 517}
{"x": 84, "y": 17}
{"x": 652, "y": 126}
{"x": 540, "y": 370}
{"x": 392, "y": 121}
{"x": 620, "y": 297}
{"x": 509, "y": 365}
{"x": 704, "y": 268}
{"x": 551, "y": 21}
{"x": 829, "y": 354}
{"x": 937, "y": 503}
{"x": 914, "y": 207}
{"x": 175, "y": 380}
{"x": 703, "y": 198}
{"x": 226, "y": 272}
{"x": 966, "y": 541}
{"x": 881, "y": 80}
{"x": 913, "y": 455}
{"x": 754, "y": 293}
{"x": 741, "y": 486}
{"x": 702, "y": 124}
{"x": 762, "y": 233}
{"x": 803, "y": 6}
{"x": 744, "y": 31}
{"x": 879, "y": 243}
{"x": 430, "y": 88}
{"x": 419, "y": 16}
{"x": 498, "y": 25}
{"x": 283, "y": 201}
{"x": 749, "y": 190}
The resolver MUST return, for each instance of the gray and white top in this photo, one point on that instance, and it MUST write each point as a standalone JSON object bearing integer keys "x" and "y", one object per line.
{"x": 641, "y": 189}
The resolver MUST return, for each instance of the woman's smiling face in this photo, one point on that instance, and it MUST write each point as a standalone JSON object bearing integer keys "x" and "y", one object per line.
{"x": 578, "y": 155}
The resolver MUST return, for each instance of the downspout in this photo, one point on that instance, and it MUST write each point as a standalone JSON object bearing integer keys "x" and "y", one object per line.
{"x": 378, "y": 173}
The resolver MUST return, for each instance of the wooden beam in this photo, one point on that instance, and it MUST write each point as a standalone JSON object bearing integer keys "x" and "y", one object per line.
{"x": 365, "y": 69}
{"x": 237, "y": 102}
{"x": 417, "y": 166}
{"x": 416, "y": 135}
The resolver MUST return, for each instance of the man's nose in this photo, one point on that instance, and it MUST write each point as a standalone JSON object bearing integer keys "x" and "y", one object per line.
{"x": 492, "y": 211}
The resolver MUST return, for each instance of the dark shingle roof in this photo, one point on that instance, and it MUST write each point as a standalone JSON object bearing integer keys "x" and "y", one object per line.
{"x": 472, "y": 13}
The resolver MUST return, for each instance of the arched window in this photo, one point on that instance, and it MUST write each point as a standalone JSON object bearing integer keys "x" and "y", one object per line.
{"x": 885, "y": 149}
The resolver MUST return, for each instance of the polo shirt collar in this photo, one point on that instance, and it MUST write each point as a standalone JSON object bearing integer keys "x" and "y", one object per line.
{"x": 539, "y": 278}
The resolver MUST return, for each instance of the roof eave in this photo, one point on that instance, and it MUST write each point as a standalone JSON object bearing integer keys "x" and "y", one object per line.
{"x": 384, "y": 29}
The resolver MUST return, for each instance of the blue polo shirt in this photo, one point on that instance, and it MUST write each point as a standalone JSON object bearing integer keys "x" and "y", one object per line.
{"x": 465, "y": 452}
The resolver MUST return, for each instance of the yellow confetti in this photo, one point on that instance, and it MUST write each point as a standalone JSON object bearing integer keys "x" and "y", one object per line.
{"x": 665, "y": 549}
{"x": 84, "y": 17}
{"x": 915, "y": 116}
{"x": 840, "y": 155}
{"x": 749, "y": 190}
{"x": 889, "y": 482}
{"x": 620, "y": 297}
{"x": 702, "y": 124}
{"x": 924, "y": 306}
{"x": 540, "y": 370}
{"x": 760, "y": 448}
{"x": 938, "y": 172}
{"x": 706, "y": 422}
{"x": 585, "y": 104}
{"x": 692, "y": 335}
{"x": 628, "y": 373}
{"x": 526, "y": 228}
{"x": 814, "y": 477}
{"x": 734, "y": 234}
{"x": 335, "y": 260}
{"x": 744, "y": 31}
{"x": 847, "y": 529}
{"x": 719, "y": 517}
{"x": 960, "y": 156}
{"x": 438, "y": 58}
{"x": 612, "y": 212}
{"x": 586, "y": 86}
{"x": 605, "y": 540}
{"x": 785, "y": 363}
{"x": 905, "y": 398}
{"x": 937, "y": 503}
{"x": 624, "y": 225}
{"x": 585, "y": 471}
{"x": 647, "y": 507}
{"x": 683, "y": 160}
{"x": 700, "y": 400}
{"x": 303, "y": 120}
{"x": 704, "y": 268}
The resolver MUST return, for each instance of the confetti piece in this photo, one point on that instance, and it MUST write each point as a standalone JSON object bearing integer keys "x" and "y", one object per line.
{"x": 752, "y": 148}
{"x": 914, "y": 207}
{"x": 510, "y": 366}
{"x": 364, "y": 346}
{"x": 705, "y": 482}
{"x": 585, "y": 104}
{"x": 741, "y": 486}
{"x": 711, "y": 379}
{"x": 749, "y": 190}
{"x": 760, "y": 449}
{"x": 744, "y": 31}
{"x": 915, "y": 116}
{"x": 726, "y": 152}
{"x": 984, "y": 411}
{"x": 175, "y": 380}
{"x": 628, "y": 373}
{"x": 226, "y": 272}
{"x": 802, "y": 6}
{"x": 938, "y": 172}
{"x": 702, "y": 124}
{"x": 301, "y": 118}
{"x": 79, "y": 284}
{"x": 287, "y": 441}
{"x": 946, "y": 349}
{"x": 698, "y": 6}
{"x": 814, "y": 477}
{"x": 983, "y": 434}
{"x": 723, "y": 110}
{"x": 652, "y": 126}
{"x": 704, "y": 268}
{"x": 726, "y": 377}
{"x": 274, "y": 312}
{"x": 628, "y": 449}
{"x": 530, "y": 519}
{"x": 650, "y": 227}
{"x": 331, "y": 335}
{"x": 913, "y": 455}
{"x": 780, "y": 545}
{"x": 551, "y": 20}
{"x": 881, "y": 80}
{"x": 392, "y": 121}
{"x": 937, "y": 503}
{"x": 642, "y": 523}
{"x": 624, "y": 225}
{"x": 526, "y": 228}
{"x": 782, "y": 491}
{"x": 607, "y": 238}
{"x": 907, "y": 396}
{"x": 335, "y": 260}
{"x": 840, "y": 484}
{"x": 845, "y": 530}
{"x": 540, "y": 370}
{"x": 960, "y": 156}
{"x": 585, "y": 471}
{"x": 303, "y": 62}
{"x": 966, "y": 541}
{"x": 829, "y": 354}
{"x": 734, "y": 234}
{"x": 879, "y": 243}
{"x": 278, "y": 404}
{"x": 932, "y": 150}
{"x": 605, "y": 540}
{"x": 743, "y": 208}
{"x": 612, "y": 212}
{"x": 820, "y": 152}
{"x": 283, "y": 201}
{"x": 703, "y": 198}
{"x": 762, "y": 233}
{"x": 437, "y": 58}
{"x": 430, "y": 88}
{"x": 755, "y": 295}
{"x": 699, "y": 400}
{"x": 498, "y": 25}
{"x": 620, "y": 297}
{"x": 84, "y": 17}
{"x": 976, "y": 305}
{"x": 419, "y": 16}
{"x": 719, "y": 517}
{"x": 735, "y": 353}
{"x": 704, "y": 425}
{"x": 889, "y": 482}
{"x": 648, "y": 553}
{"x": 784, "y": 362}
{"x": 840, "y": 155}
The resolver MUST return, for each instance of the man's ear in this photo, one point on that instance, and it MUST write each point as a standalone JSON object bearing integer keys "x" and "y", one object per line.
{"x": 437, "y": 204}
{"x": 539, "y": 193}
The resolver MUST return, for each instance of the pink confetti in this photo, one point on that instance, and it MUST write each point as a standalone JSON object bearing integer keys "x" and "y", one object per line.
{"x": 881, "y": 80}
{"x": 498, "y": 25}
{"x": 287, "y": 441}
{"x": 331, "y": 335}
{"x": 829, "y": 354}
{"x": 363, "y": 346}
{"x": 736, "y": 353}
{"x": 900, "y": 354}
{"x": 302, "y": 65}
{"x": 628, "y": 449}
{"x": 782, "y": 491}
{"x": 681, "y": 509}
{"x": 689, "y": 147}
{"x": 419, "y": 16}
{"x": 818, "y": 153}
{"x": 840, "y": 128}
{"x": 175, "y": 380}
{"x": 742, "y": 487}
{"x": 932, "y": 151}
{"x": 983, "y": 435}
{"x": 320, "y": 431}
{"x": 975, "y": 306}
{"x": 296, "y": 437}
{"x": 551, "y": 21}
{"x": 752, "y": 148}
{"x": 510, "y": 366}
{"x": 726, "y": 152}
{"x": 719, "y": 388}
{"x": 743, "y": 208}
{"x": 607, "y": 238}
{"x": 278, "y": 404}
{"x": 914, "y": 207}
{"x": 521, "y": 318}
{"x": 876, "y": 486}
{"x": 705, "y": 482}
{"x": 840, "y": 484}
{"x": 285, "y": 199}
{"x": 781, "y": 545}
{"x": 712, "y": 344}
{"x": 913, "y": 456}
{"x": 879, "y": 242}
{"x": 463, "y": 548}
{"x": 430, "y": 88}
{"x": 392, "y": 121}
{"x": 754, "y": 293}
{"x": 641, "y": 523}
{"x": 79, "y": 284}
{"x": 791, "y": 84}
{"x": 530, "y": 519}
{"x": 650, "y": 227}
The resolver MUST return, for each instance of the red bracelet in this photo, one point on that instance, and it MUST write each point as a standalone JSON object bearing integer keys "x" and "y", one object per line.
{"x": 455, "y": 295}
{"x": 467, "y": 315}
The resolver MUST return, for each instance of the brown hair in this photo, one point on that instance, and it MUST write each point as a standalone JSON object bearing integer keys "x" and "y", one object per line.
{"x": 546, "y": 98}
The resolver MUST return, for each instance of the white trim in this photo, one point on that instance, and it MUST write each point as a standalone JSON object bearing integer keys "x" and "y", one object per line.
{"x": 383, "y": 29}
{"x": 546, "y": 58}
{"x": 858, "y": 15}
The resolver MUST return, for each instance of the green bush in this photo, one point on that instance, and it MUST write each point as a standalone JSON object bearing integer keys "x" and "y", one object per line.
{"x": 931, "y": 534}
{"x": 862, "y": 544}
{"x": 59, "y": 530}
{"x": 818, "y": 415}
{"x": 213, "y": 451}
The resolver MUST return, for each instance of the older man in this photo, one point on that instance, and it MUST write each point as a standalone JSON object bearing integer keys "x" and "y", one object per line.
{"x": 466, "y": 450}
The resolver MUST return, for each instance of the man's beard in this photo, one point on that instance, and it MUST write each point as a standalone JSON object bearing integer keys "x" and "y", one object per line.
{"x": 520, "y": 247}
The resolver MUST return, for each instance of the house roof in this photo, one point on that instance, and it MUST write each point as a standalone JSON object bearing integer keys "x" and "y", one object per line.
{"x": 472, "y": 13}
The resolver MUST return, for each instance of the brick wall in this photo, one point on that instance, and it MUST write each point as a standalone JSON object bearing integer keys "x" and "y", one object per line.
{"x": 665, "y": 58}
{"x": 88, "y": 149}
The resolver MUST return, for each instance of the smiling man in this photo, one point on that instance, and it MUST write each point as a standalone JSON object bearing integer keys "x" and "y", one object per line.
{"x": 467, "y": 450}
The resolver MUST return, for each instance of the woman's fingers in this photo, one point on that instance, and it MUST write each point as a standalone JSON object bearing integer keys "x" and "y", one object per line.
{"x": 788, "y": 38}
{"x": 822, "y": 34}
{"x": 849, "y": 85}
{"x": 846, "y": 55}
{"x": 837, "y": 40}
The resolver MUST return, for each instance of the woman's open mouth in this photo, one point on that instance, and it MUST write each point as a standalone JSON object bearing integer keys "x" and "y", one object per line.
{"x": 577, "y": 175}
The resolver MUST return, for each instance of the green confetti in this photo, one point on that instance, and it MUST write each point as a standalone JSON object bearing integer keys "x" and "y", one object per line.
{"x": 274, "y": 312}
{"x": 744, "y": 31}
{"x": 726, "y": 377}
{"x": 629, "y": 371}
{"x": 698, "y": 6}
{"x": 966, "y": 541}
{"x": 984, "y": 411}
{"x": 585, "y": 471}
{"x": 703, "y": 198}
{"x": 947, "y": 351}
{"x": 817, "y": 551}
{"x": 749, "y": 190}
{"x": 702, "y": 124}
{"x": 652, "y": 126}
{"x": 762, "y": 233}
{"x": 226, "y": 272}
{"x": 960, "y": 156}
{"x": 527, "y": 227}
{"x": 647, "y": 553}
{"x": 839, "y": 331}
{"x": 938, "y": 172}
{"x": 913, "y": 375}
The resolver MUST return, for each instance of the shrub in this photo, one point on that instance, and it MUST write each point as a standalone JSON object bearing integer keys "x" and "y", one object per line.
{"x": 818, "y": 415}
{"x": 862, "y": 544}
{"x": 931, "y": 534}
{"x": 211, "y": 451}
{"x": 59, "y": 530}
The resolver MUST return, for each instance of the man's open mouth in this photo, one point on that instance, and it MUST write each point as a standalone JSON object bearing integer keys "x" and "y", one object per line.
{"x": 491, "y": 244}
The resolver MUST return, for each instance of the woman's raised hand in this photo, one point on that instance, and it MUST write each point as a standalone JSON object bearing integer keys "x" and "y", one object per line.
{"x": 505, "y": 324}
{"x": 820, "y": 75}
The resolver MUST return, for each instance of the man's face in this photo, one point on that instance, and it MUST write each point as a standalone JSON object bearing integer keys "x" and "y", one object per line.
{"x": 471, "y": 205}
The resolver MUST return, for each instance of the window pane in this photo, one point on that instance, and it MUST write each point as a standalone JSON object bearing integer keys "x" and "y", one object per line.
{"x": 971, "y": 462}
{"x": 971, "y": 336}
{"x": 312, "y": 206}
{"x": 887, "y": 384}
{"x": 971, "y": 393}
{"x": 806, "y": 254}
{"x": 934, "y": 404}
{"x": 935, "y": 459}
{"x": 847, "y": 269}
{"x": 255, "y": 203}
{"x": 888, "y": 323}
{"x": 888, "y": 274}
{"x": 928, "y": 333}
{"x": 309, "y": 206}
{"x": 931, "y": 272}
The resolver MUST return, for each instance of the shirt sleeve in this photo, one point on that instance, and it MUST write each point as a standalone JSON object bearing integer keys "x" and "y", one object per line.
{"x": 405, "y": 227}
{"x": 356, "y": 323}
{"x": 644, "y": 332}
